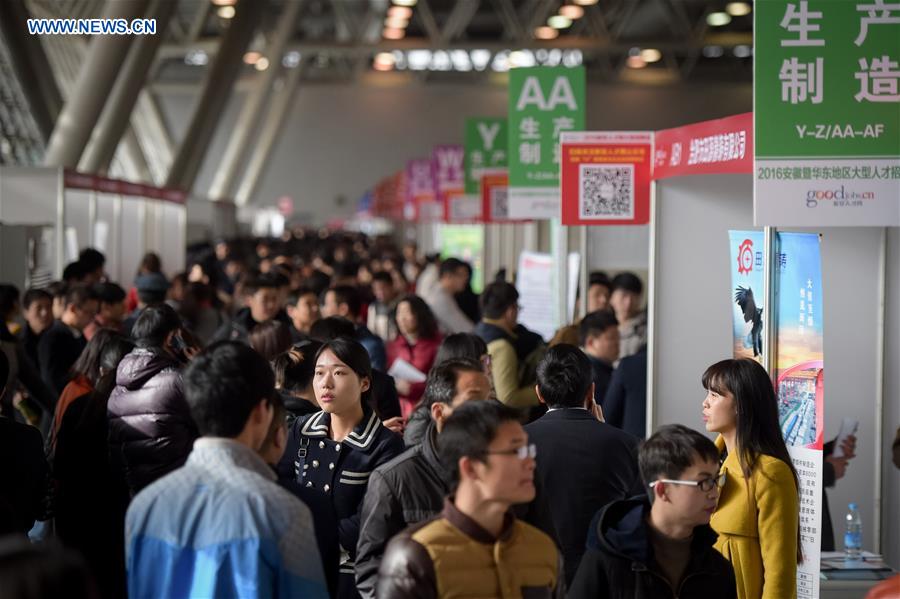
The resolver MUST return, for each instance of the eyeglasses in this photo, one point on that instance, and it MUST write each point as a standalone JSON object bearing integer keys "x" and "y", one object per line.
{"x": 706, "y": 485}
{"x": 526, "y": 451}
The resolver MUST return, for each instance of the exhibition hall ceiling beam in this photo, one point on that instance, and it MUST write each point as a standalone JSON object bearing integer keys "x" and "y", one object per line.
{"x": 216, "y": 91}
{"x": 512, "y": 26}
{"x": 248, "y": 121}
{"x": 95, "y": 80}
{"x": 31, "y": 67}
{"x": 584, "y": 43}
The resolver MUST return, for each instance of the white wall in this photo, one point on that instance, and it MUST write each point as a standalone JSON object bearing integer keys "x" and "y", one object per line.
{"x": 694, "y": 323}
{"x": 890, "y": 528}
{"x": 340, "y": 139}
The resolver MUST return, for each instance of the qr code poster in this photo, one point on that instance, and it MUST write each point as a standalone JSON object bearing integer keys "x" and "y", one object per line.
{"x": 605, "y": 178}
{"x": 606, "y": 191}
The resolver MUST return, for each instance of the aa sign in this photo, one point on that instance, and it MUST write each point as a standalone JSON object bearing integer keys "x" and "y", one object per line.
{"x": 543, "y": 103}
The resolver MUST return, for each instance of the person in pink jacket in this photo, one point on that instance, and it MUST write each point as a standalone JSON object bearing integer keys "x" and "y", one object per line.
{"x": 417, "y": 343}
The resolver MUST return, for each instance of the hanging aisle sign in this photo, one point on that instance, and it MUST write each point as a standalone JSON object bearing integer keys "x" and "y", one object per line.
{"x": 447, "y": 165}
{"x": 543, "y": 102}
{"x": 420, "y": 199}
{"x": 827, "y": 113}
{"x": 605, "y": 177}
{"x": 485, "y": 150}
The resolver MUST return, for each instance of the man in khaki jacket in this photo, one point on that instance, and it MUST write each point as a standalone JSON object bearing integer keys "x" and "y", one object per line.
{"x": 476, "y": 547}
{"x": 514, "y": 350}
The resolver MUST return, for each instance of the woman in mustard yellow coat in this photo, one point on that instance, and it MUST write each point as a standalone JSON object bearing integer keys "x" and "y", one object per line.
{"x": 758, "y": 514}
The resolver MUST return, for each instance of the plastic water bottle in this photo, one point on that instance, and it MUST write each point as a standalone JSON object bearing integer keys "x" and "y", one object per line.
{"x": 853, "y": 534}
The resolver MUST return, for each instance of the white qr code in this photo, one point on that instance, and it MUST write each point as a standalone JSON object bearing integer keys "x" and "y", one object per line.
{"x": 606, "y": 191}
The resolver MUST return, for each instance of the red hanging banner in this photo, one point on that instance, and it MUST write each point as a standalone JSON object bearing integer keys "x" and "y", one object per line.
{"x": 721, "y": 146}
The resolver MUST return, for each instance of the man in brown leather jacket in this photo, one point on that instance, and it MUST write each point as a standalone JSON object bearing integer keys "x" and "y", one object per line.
{"x": 476, "y": 547}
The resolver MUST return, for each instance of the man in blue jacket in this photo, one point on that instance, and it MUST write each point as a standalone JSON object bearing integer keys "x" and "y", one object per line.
{"x": 220, "y": 526}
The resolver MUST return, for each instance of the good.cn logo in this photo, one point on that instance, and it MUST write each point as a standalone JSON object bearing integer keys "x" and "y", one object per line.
{"x": 840, "y": 197}
{"x": 745, "y": 257}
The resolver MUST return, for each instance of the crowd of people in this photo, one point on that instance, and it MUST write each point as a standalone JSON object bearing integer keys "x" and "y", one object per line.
{"x": 332, "y": 416}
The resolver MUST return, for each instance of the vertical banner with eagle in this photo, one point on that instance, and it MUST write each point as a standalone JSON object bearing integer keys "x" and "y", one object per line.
{"x": 747, "y": 297}
{"x": 798, "y": 376}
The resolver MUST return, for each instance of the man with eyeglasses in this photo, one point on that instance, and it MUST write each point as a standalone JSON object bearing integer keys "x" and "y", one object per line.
{"x": 661, "y": 544}
{"x": 476, "y": 547}
{"x": 411, "y": 488}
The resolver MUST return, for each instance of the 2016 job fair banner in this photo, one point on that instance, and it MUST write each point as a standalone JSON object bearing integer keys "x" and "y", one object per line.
{"x": 827, "y": 113}
{"x": 543, "y": 102}
{"x": 485, "y": 143}
{"x": 605, "y": 177}
{"x": 420, "y": 191}
{"x": 746, "y": 293}
{"x": 798, "y": 358}
{"x": 799, "y": 379}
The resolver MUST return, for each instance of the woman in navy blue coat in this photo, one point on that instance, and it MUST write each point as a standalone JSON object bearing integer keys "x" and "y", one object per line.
{"x": 334, "y": 451}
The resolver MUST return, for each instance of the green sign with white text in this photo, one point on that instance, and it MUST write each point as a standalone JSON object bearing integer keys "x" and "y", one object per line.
{"x": 485, "y": 144}
{"x": 827, "y": 112}
{"x": 543, "y": 102}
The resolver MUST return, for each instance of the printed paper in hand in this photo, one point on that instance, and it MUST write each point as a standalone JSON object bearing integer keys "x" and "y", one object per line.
{"x": 401, "y": 369}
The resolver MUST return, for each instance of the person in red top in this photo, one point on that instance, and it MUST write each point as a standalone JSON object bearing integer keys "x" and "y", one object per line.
{"x": 85, "y": 374}
{"x": 417, "y": 343}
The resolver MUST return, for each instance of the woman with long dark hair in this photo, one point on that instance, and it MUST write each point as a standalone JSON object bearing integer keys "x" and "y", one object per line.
{"x": 85, "y": 374}
{"x": 335, "y": 451}
{"x": 416, "y": 343}
{"x": 757, "y": 517}
{"x": 92, "y": 495}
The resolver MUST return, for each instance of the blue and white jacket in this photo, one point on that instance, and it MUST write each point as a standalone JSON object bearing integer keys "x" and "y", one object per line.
{"x": 220, "y": 527}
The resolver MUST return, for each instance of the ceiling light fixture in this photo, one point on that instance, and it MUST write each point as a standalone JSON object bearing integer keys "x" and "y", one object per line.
{"x": 586, "y": 2}
{"x": 571, "y": 11}
{"x": 224, "y": 2}
{"x": 636, "y": 62}
{"x": 546, "y": 33}
{"x": 226, "y": 12}
{"x": 650, "y": 55}
{"x": 252, "y": 57}
{"x": 559, "y": 22}
{"x": 407, "y": 3}
{"x": 391, "y": 33}
{"x": 396, "y": 23}
{"x": 718, "y": 19}
{"x": 262, "y": 64}
{"x": 742, "y": 51}
{"x": 384, "y": 61}
{"x": 738, "y": 9}
{"x": 399, "y": 12}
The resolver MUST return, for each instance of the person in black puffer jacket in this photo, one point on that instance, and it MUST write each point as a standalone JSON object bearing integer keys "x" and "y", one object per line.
{"x": 660, "y": 544}
{"x": 151, "y": 431}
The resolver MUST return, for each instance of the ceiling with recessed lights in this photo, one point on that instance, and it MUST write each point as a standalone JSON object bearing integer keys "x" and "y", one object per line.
{"x": 340, "y": 39}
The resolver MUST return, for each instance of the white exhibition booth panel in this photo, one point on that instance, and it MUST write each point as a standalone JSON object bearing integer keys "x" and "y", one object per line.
{"x": 692, "y": 330}
{"x": 123, "y": 227}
